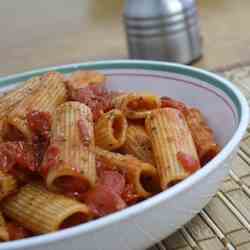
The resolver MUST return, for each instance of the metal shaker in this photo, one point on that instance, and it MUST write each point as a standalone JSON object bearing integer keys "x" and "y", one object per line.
{"x": 166, "y": 30}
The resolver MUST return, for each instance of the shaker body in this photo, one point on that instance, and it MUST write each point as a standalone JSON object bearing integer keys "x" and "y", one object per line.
{"x": 158, "y": 30}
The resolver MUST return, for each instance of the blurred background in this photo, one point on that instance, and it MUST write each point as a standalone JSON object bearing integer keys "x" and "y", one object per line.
{"x": 46, "y": 33}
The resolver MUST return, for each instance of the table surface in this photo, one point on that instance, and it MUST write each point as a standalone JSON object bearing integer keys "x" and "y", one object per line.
{"x": 45, "y": 33}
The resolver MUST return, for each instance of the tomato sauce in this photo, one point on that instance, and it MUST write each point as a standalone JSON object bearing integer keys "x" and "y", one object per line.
{"x": 11, "y": 133}
{"x": 102, "y": 200}
{"x": 17, "y": 153}
{"x": 16, "y": 231}
{"x": 167, "y": 102}
{"x": 129, "y": 195}
{"x": 116, "y": 180}
{"x": 95, "y": 96}
{"x": 209, "y": 154}
{"x": 40, "y": 125}
{"x": 25, "y": 157}
{"x": 137, "y": 104}
{"x": 188, "y": 162}
{"x": 141, "y": 104}
{"x": 40, "y": 145}
{"x": 51, "y": 160}
{"x": 39, "y": 122}
{"x": 113, "y": 180}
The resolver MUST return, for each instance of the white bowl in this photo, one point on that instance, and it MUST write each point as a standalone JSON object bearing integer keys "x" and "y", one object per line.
{"x": 148, "y": 222}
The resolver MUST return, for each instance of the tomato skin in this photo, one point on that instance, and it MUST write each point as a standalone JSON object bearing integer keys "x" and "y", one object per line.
{"x": 102, "y": 200}
{"x": 188, "y": 162}
{"x": 113, "y": 180}
{"x": 119, "y": 184}
{"x": 95, "y": 96}
{"x": 105, "y": 197}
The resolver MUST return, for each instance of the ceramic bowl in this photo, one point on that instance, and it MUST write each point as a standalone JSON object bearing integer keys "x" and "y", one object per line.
{"x": 146, "y": 223}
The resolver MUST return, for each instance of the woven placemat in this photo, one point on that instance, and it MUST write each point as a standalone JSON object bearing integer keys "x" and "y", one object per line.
{"x": 225, "y": 222}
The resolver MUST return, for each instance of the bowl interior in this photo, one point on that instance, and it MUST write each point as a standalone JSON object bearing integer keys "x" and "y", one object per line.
{"x": 218, "y": 108}
{"x": 215, "y": 100}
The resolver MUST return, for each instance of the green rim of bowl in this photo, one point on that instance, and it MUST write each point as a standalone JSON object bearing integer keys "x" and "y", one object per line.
{"x": 129, "y": 64}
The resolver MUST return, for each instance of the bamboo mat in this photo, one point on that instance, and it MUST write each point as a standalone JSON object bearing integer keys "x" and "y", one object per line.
{"x": 225, "y": 222}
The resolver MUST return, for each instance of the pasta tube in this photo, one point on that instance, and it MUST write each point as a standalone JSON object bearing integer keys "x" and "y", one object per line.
{"x": 173, "y": 147}
{"x": 117, "y": 100}
{"x": 203, "y": 136}
{"x": 138, "y": 144}
{"x": 8, "y": 184}
{"x": 41, "y": 211}
{"x": 110, "y": 130}
{"x": 136, "y": 106}
{"x": 80, "y": 78}
{"x": 4, "y": 234}
{"x": 11, "y": 98}
{"x": 2, "y": 123}
{"x": 167, "y": 102}
{"x": 141, "y": 175}
{"x": 69, "y": 159}
{"x": 46, "y": 99}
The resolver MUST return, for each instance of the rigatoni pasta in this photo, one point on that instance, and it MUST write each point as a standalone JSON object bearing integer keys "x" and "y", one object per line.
{"x": 51, "y": 93}
{"x": 111, "y": 129}
{"x": 8, "y": 184}
{"x": 42, "y": 211}
{"x": 2, "y": 125}
{"x": 82, "y": 77}
{"x": 4, "y": 234}
{"x": 71, "y": 148}
{"x": 72, "y": 151}
{"x": 173, "y": 147}
{"x": 136, "y": 106}
{"x": 9, "y": 100}
{"x": 12, "y": 98}
{"x": 138, "y": 143}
